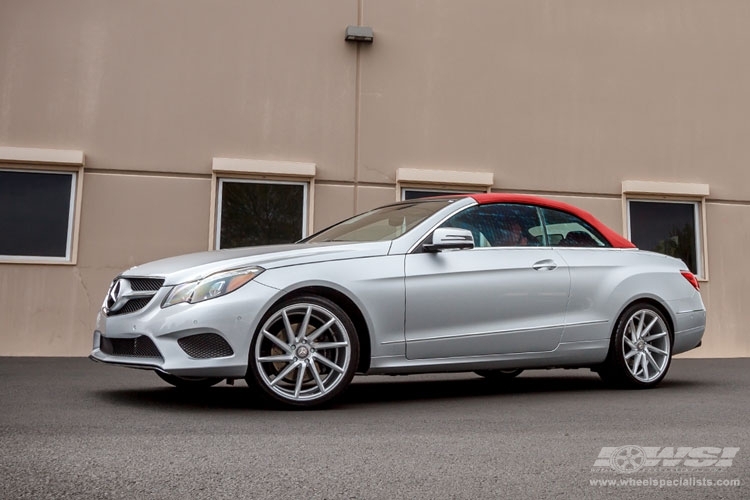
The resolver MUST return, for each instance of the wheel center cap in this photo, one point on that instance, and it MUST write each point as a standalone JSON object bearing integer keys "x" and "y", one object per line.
{"x": 303, "y": 352}
{"x": 641, "y": 345}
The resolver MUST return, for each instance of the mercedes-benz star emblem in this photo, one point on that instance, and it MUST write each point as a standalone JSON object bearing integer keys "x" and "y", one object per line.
{"x": 117, "y": 295}
{"x": 302, "y": 352}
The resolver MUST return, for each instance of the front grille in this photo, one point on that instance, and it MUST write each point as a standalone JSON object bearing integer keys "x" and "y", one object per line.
{"x": 132, "y": 306}
{"x": 139, "y": 347}
{"x": 205, "y": 345}
{"x": 145, "y": 284}
{"x": 135, "y": 293}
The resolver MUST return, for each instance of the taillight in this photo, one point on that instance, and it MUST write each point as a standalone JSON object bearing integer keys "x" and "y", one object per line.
{"x": 691, "y": 278}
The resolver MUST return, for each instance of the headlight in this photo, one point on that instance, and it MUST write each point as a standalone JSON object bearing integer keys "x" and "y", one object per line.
{"x": 211, "y": 286}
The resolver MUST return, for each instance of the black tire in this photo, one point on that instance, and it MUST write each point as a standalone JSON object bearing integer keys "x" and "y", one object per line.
{"x": 639, "y": 355}
{"x": 498, "y": 374}
{"x": 312, "y": 367}
{"x": 189, "y": 382}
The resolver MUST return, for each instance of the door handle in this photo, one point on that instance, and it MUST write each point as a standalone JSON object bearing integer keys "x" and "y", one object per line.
{"x": 545, "y": 265}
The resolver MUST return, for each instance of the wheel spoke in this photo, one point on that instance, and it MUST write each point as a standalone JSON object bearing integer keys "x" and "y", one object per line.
{"x": 330, "y": 364}
{"x": 652, "y": 361}
{"x": 639, "y": 362}
{"x": 314, "y": 335}
{"x": 329, "y": 345}
{"x": 654, "y": 336}
{"x": 629, "y": 343}
{"x": 633, "y": 367}
{"x": 316, "y": 376}
{"x": 631, "y": 327}
{"x": 282, "y": 358}
{"x": 288, "y": 327}
{"x": 300, "y": 378}
{"x": 283, "y": 373}
{"x": 651, "y": 348}
{"x": 302, "y": 330}
{"x": 650, "y": 326}
{"x": 280, "y": 343}
{"x": 644, "y": 365}
{"x": 631, "y": 354}
{"x": 640, "y": 325}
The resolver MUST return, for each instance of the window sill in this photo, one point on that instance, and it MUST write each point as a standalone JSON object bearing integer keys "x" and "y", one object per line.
{"x": 47, "y": 261}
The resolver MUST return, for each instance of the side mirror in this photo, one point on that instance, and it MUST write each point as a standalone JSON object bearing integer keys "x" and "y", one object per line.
{"x": 449, "y": 238}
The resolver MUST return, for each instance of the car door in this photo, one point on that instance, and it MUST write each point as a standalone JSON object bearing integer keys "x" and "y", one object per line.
{"x": 593, "y": 265}
{"x": 506, "y": 295}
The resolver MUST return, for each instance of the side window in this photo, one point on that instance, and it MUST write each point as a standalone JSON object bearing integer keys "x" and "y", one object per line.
{"x": 566, "y": 230}
{"x": 499, "y": 225}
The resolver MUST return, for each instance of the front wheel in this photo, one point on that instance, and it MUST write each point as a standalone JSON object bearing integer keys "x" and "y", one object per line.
{"x": 641, "y": 349}
{"x": 304, "y": 353}
{"x": 189, "y": 382}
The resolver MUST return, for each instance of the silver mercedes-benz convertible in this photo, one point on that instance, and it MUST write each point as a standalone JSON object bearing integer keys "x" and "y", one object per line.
{"x": 489, "y": 283}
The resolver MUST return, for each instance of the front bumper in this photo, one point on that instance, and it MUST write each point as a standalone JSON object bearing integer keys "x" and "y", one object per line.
{"x": 233, "y": 317}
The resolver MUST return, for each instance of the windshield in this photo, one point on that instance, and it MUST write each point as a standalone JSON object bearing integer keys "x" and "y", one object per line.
{"x": 381, "y": 224}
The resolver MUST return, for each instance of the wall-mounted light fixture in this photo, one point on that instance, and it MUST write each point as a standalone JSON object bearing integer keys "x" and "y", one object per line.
{"x": 359, "y": 34}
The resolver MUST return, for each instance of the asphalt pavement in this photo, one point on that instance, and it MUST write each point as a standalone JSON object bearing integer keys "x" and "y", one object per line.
{"x": 71, "y": 428}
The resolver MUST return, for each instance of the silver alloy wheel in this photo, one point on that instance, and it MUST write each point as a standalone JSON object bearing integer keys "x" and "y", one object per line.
{"x": 303, "y": 352}
{"x": 646, "y": 345}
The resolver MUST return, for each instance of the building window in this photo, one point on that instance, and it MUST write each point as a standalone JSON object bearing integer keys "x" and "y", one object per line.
{"x": 38, "y": 215}
{"x": 252, "y": 212}
{"x": 668, "y": 227}
{"x": 412, "y": 183}
{"x": 260, "y": 202}
{"x": 414, "y": 193}
{"x": 40, "y": 205}
{"x": 669, "y": 218}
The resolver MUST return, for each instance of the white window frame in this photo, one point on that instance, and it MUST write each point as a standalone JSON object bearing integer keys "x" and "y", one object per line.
{"x": 442, "y": 181}
{"x": 219, "y": 195}
{"x": 50, "y": 161}
{"x": 259, "y": 171}
{"x": 669, "y": 192}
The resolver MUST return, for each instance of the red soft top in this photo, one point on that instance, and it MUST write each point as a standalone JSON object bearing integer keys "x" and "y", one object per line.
{"x": 614, "y": 238}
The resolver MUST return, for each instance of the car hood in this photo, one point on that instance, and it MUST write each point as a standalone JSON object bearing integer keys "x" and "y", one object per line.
{"x": 195, "y": 266}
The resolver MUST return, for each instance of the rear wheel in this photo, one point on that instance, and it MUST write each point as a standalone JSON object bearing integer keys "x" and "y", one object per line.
{"x": 305, "y": 352}
{"x": 189, "y": 382}
{"x": 641, "y": 349}
{"x": 499, "y": 374}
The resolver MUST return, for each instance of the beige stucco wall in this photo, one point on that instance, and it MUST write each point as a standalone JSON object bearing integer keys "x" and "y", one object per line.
{"x": 566, "y": 99}
{"x": 166, "y": 86}
{"x": 567, "y": 96}
{"x": 728, "y": 292}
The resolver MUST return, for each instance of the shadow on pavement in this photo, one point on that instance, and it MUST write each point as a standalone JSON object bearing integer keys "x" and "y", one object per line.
{"x": 382, "y": 390}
